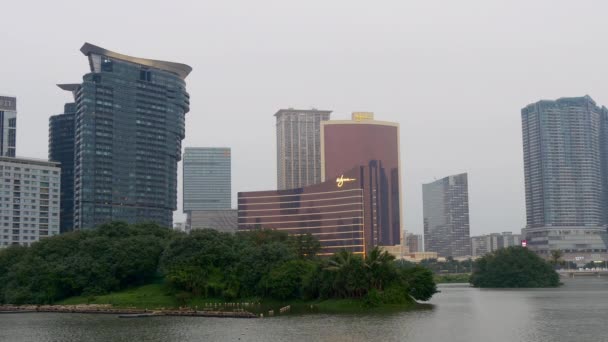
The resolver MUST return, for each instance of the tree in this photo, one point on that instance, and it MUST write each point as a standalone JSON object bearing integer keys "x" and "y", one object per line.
{"x": 513, "y": 267}
{"x": 556, "y": 256}
{"x": 380, "y": 266}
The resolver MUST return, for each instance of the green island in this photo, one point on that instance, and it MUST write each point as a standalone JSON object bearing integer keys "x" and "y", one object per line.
{"x": 514, "y": 267}
{"x": 146, "y": 266}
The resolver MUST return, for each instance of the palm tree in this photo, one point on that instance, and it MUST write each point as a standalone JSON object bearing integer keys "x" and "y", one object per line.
{"x": 377, "y": 262}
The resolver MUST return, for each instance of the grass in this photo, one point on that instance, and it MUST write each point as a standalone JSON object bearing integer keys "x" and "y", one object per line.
{"x": 452, "y": 278}
{"x": 155, "y": 296}
{"x": 152, "y": 296}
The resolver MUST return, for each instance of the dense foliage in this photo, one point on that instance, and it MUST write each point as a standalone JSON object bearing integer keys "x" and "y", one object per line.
{"x": 82, "y": 263}
{"x": 205, "y": 263}
{"x": 449, "y": 266}
{"x": 513, "y": 267}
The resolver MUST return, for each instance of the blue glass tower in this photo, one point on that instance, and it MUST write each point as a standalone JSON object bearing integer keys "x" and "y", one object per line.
{"x": 129, "y": 126}
{"x": 61, "y": 149}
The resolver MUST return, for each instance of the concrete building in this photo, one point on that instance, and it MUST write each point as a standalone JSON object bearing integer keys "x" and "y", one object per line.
{"x": 223, "y": 220}
{"x": 414, "y": 242}
{"x": 180, "y": 227}
{"x": 29, "y": 201}
{"x": 129, "y": 125}
{"x": 446, "y": 216}
{"x": 483, "y": 244}
{"x": 299, "y": 147}
{"x": 8, "y": 126}
{"x": 565, "y": 145}
{"x": 61, "y": 149}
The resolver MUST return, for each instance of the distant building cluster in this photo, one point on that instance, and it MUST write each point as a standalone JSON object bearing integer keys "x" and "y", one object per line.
{"x": 113, "y": 155}
{"x": 484, "y": 244}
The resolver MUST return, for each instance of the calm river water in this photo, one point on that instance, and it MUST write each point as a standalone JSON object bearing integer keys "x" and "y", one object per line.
{"x": 578, "y": 311}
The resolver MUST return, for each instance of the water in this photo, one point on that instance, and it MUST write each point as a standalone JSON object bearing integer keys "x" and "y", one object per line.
{"x": 578, "y": 311}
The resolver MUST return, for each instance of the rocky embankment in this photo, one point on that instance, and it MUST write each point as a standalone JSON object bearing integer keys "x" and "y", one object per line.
{"x": 109, "y": 309}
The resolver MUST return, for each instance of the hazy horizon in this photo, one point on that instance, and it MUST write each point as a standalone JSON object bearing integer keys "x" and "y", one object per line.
{"x": 455, "y": 75}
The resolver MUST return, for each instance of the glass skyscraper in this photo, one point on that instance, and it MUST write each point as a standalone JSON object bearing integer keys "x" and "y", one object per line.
{"x": 61, "y": 149}
{"x": 565, "y": 147}
{"x": 207, "y": 188}
{"x": 8, "y": 126}
{"x": 446, "y": 216}
{"x": 207, "y": 184}
{"x": 299, "y": 147}
{"x": 129, "y": 125}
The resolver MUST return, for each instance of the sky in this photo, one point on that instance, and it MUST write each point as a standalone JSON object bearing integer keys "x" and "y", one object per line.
{"x": 454, "y": 74}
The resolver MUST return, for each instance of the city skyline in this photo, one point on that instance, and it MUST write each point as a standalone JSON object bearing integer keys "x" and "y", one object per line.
{"x": 446, "y": 96}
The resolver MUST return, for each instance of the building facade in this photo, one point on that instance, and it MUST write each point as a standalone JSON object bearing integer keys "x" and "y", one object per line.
{"x": 61, "y": 149}
{"x": 29, "y": 201}
{"x": 332, "y": 211}
{"x": 565, "y": 148}
{"x": 446, "y": 216}
{"x": 374, "y": 145}
{"x": 207, "y": 178}
{"x": 207, "y": 189}
{"x": 483, "y": 244}
{"x": 8, "y": 126}
{"x": 414, "y": 242}
{"x": 299, "y": 147}
{"x": 129, "y": 125}
{"x": 223, "y": 220}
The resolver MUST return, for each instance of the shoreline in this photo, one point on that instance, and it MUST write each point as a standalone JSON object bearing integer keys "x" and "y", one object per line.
{"x": 109, "y": 310}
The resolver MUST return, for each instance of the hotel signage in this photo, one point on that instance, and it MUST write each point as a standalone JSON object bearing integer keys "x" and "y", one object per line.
{"x": 341, "y": 180}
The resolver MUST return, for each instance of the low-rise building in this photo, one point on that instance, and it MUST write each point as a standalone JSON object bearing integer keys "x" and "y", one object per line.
{"x": 414, "y": 242}
{"x": 221, "y": 220}
{"x": 488, "y": 243}
{"x": 29, "y": 200}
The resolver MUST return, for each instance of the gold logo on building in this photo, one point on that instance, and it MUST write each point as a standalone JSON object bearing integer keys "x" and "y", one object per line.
{"x": 341, "y": 180}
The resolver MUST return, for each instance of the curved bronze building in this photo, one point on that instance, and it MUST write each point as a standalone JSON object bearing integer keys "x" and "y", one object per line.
{"x": 375, "y": 145}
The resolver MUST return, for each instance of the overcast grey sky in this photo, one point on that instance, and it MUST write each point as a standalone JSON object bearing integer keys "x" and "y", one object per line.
{"x": 454, "y": 74}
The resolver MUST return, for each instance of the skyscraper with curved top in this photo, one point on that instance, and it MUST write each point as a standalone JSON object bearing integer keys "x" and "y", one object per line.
{"x": 129, "y": 125}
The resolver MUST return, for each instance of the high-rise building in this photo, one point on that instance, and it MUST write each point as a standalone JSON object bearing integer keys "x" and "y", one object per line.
{"x": 207, "y": 189}
{"x": 373, "y": 144}
{"x": 29, "y": 209}
{"x": 8, "y": 126}
{"x": 61, "y": 149}
{"x": 446, "y": 216}
{"x": 129, "y": 125}
{"x": 565, "y": 145}
{"x": 299, "y": 147}
{"x": 207, "y": 178}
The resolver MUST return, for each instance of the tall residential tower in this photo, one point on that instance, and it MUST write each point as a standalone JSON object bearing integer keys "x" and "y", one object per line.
{"x": 446, "y": 216}
{"x": 129, "y": 125}
{"x": 8, "y": 126}
{"x": 565, "y": 147}
{"x": 299, "y": 147}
